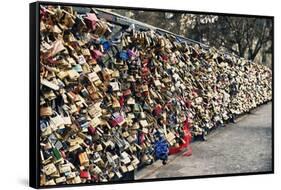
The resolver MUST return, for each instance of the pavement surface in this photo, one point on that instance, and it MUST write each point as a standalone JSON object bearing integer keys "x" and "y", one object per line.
{"x": 243, "y": 147}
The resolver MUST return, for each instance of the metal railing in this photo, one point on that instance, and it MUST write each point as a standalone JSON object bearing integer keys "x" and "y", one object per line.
{"x": 123, "y": 21}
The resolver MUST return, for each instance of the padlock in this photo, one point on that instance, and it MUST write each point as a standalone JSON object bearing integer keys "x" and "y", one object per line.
{"x": 60, "y": 180}
{"x": 83, "y": 158}
{"x": 50, "y": 169}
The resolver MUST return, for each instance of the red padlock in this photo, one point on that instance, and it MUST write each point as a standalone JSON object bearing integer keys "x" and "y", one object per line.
{"x": 157, "y": 110}
{"x": 91, "y": 130}
{"x": 85, "y": 174}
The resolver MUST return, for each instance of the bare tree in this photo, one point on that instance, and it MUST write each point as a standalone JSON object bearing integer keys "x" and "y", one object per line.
{"x": 243, "y": 36}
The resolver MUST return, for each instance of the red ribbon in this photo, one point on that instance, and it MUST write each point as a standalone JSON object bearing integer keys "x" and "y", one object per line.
{"x": 187, "y": 140}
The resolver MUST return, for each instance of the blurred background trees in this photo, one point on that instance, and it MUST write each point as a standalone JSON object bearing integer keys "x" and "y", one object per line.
{"x": 248, "y": 37}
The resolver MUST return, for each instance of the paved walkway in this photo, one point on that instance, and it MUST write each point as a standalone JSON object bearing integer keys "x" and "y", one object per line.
{"x": 241, "y": 147}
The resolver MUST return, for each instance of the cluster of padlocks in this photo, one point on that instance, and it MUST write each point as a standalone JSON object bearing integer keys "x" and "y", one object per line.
{"x": 111, "y": 102}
